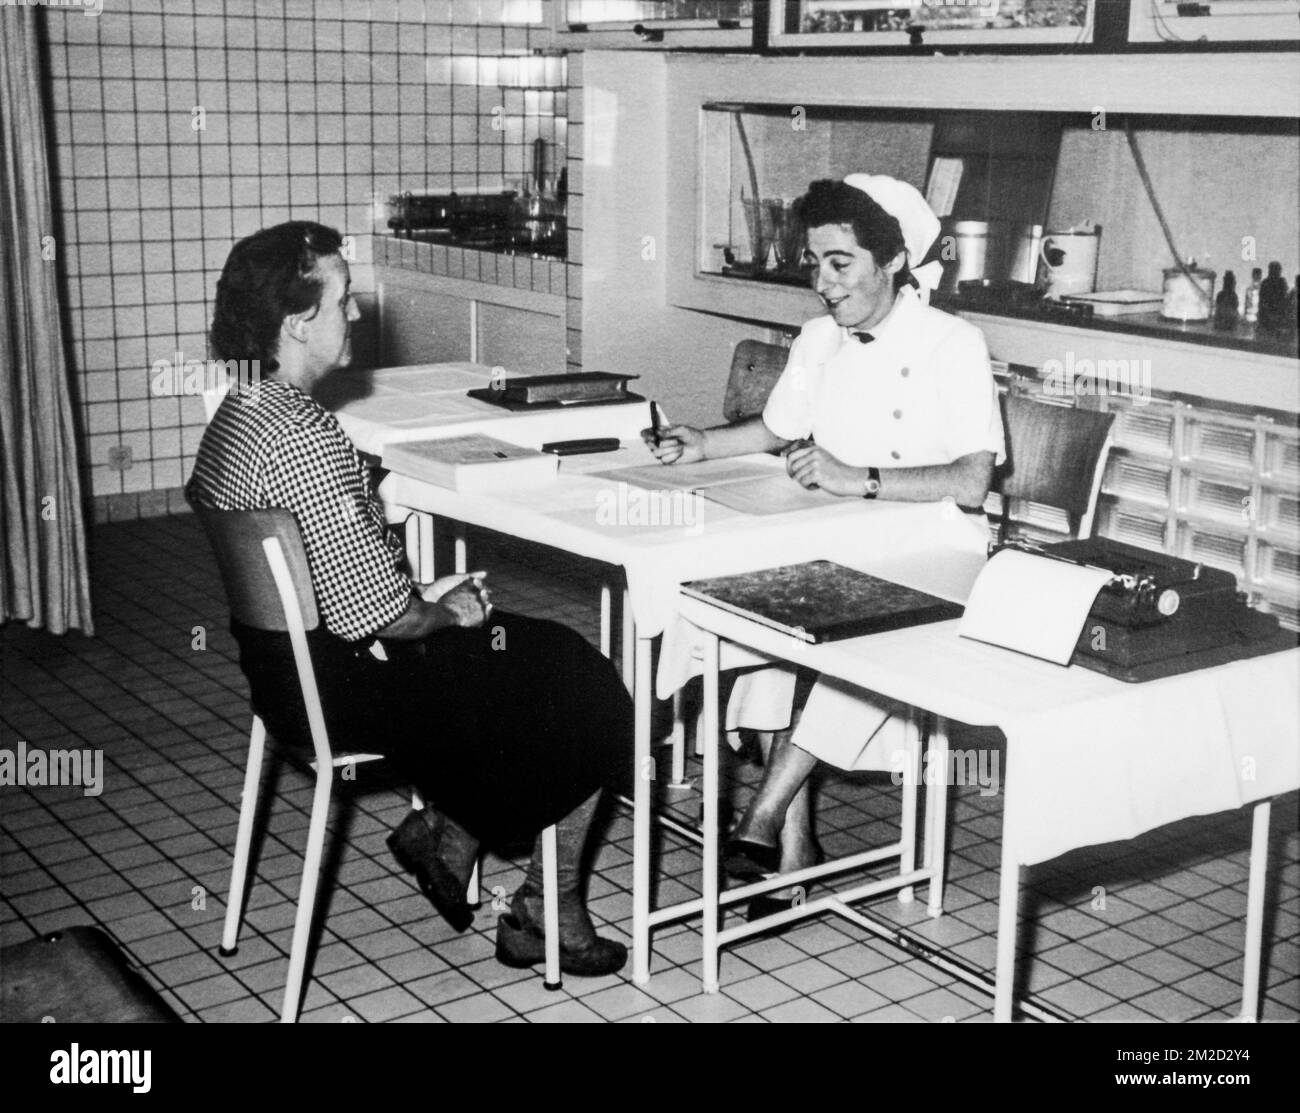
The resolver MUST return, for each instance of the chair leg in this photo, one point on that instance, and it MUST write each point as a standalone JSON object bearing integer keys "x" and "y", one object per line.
{"x": 679, "y": 743}
{"x": 320, "y": 807}
{"x": 551, "y": 908}
{"x": 473, "y": 897}
{"x": 244, "y": 837}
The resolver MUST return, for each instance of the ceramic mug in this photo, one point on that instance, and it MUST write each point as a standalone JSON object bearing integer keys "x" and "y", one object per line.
{"x": 1069, "y": 262}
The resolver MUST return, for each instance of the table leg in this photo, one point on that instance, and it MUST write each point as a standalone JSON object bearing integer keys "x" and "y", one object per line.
{"x": 709, "y": 974}
{"x": 1255, "y": 910}
{"x": 1008, "y": 913}
{"x": 911, "y": 790}
{"x": 936, "y": 815}
{"x": 427, "y": 565}
{"x": 459, "y": 549}
{"x": 644, "y": 772}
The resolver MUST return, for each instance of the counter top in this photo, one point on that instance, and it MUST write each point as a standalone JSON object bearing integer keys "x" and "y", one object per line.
{"x": 540, "y": 274}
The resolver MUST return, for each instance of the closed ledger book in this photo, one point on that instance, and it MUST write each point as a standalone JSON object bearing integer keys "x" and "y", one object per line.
{"x": 821, "y": 601}
{"x": 474, "y": 462}
{"x": 566, "y": 388}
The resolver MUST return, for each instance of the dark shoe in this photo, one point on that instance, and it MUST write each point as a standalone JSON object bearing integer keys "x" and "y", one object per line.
{"x": 761, "y": 907}
{"x": 520, "y": 944}
{"x": 750, "y": 861}
{"x": 415, "y": 846}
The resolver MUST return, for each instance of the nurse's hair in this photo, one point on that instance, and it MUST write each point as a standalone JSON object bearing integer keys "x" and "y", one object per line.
{"x": 833, "y": 202}
{"x": 269, "y": 276}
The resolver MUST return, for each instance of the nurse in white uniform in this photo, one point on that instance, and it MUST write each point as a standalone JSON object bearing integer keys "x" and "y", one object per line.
{"x": 882, "y": 398}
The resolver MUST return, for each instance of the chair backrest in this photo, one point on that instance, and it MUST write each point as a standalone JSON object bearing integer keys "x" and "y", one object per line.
{"x": 1055, "y": 457}
{"x": 212, "y": 400}
{"x": 755, "y": 367}
{"x": 268, "y": 584}
{"x": 238, "y": 538}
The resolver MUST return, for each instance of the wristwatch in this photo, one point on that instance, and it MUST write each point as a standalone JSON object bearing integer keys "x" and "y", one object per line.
{"x": 871, "y": 487}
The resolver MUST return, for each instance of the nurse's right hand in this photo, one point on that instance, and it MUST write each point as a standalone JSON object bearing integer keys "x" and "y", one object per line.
{"x": 677, "y": 444}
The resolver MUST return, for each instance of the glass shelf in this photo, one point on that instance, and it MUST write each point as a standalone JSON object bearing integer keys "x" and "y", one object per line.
{"x": 899, "y": 23}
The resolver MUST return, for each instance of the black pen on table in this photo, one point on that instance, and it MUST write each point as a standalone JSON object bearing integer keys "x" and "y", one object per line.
{"x": 654, "y": 422}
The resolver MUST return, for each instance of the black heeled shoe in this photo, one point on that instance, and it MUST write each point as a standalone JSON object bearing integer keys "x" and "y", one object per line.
{"x": 750, "y": 861}
{"x": 760, "y": 907}
{"x": 415, "y": 846}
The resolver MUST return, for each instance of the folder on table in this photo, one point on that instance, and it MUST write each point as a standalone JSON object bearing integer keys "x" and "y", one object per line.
{"x": 820, "y": 601}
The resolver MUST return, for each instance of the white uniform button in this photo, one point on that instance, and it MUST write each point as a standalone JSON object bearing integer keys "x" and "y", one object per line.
{"x": 905, "y": 372}
{"x": 896, "y": 454}
{"x": 898, "y": 414}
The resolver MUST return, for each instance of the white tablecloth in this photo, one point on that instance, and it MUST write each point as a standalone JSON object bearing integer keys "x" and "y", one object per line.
{"x": 1090, "y": 759}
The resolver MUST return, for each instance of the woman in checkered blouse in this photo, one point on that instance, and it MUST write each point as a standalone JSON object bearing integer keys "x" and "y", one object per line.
{"x": 506, "y": 728}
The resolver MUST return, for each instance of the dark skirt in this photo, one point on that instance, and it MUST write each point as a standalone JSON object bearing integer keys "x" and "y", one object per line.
{"x": 506, "y": 727}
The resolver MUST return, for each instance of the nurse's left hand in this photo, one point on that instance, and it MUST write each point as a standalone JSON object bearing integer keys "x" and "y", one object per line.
{"x": 812, "y": 466}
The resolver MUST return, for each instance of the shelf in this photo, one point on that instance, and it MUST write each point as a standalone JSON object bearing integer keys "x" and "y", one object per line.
{"x": 1244, "y": 338}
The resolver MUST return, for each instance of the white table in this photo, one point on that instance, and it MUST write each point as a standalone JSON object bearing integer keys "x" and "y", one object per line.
{"x": 582, "y": 514}
{"x": 1089, "y": 759}
{"x": 429, "y": 400}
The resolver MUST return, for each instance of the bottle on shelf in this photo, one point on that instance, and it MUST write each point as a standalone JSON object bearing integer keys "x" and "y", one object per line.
{"x": 1226, "y": 309}
{"x": 1252, "y": 296}
{"x": 1272, "y": 300}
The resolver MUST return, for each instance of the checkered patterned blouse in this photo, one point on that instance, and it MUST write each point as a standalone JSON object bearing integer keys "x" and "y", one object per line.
{"x": 272, "y": 446}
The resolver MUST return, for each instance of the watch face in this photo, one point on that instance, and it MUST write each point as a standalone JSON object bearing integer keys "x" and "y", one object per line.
{"x": 872, "y": 488}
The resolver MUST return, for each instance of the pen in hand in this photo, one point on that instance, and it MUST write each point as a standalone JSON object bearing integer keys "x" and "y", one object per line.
{"x": 794, "y": 446}
{"x": 654, "y": 423}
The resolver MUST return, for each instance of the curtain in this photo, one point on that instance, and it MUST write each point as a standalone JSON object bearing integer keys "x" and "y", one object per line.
{"x": 44, "y": 578}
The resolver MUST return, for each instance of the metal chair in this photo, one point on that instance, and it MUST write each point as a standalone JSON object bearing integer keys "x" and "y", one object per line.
{"x": 755, "y": 368}
{"x": 268, "y": 585}
{"x": 1051, "y": 480}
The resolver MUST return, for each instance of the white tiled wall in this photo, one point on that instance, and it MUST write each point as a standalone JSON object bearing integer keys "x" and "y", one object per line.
{"x": 179, "y": 127}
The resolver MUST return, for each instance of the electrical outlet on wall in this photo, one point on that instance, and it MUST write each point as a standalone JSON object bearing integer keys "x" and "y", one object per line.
{"x": 119, "y": 457}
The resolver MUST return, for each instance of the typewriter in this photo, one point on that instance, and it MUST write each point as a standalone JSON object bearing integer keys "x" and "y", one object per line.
{"x": 1160, "y": 615}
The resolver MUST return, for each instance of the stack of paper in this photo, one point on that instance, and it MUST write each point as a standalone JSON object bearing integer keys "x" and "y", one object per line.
{"x": 471, "y": 463}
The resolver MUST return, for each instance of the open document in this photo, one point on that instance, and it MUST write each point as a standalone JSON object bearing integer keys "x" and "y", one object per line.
{"x": 1037, "y": 606}
{"x": 749, "y": 486}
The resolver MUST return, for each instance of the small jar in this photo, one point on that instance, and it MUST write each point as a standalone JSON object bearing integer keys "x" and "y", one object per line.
{"x": 1189, "y": 294}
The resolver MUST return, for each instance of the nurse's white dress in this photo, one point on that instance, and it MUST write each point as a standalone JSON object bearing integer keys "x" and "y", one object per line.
{"x": 920, "y": 393}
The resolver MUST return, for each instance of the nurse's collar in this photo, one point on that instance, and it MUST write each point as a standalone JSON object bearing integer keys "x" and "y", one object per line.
{"x": 887, "y": 325}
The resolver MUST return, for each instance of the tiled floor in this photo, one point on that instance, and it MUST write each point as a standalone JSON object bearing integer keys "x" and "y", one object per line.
{"x": 1148, "y": 929}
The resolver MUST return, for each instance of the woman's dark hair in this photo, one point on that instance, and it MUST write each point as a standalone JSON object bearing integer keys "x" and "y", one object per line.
{"x": 269, "y": 276}
{"x": 830, "y": 202}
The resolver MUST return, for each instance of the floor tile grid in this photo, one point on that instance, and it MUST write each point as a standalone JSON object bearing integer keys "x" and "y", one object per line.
{"x": 874, "y": 944}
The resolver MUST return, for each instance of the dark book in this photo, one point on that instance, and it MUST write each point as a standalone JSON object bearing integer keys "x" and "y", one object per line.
{"x": 821, "y": 601}
{"x": 579, "y": 386}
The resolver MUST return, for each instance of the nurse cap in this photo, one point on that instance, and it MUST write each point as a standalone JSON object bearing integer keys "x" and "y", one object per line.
{"x": 915, "y": 217}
